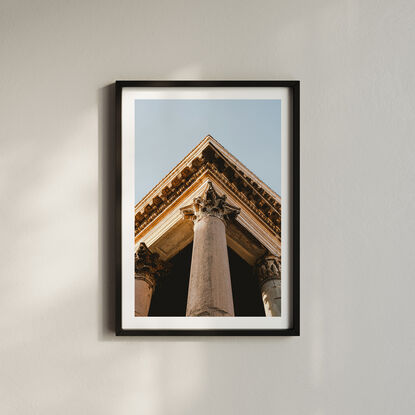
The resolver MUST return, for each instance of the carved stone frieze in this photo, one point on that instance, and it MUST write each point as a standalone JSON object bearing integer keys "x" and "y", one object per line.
{"x": 268, "y": 268}
{"x": 257, "y": 198}
{"x": 148, "y": 266}
{"x": 269, "y": 214}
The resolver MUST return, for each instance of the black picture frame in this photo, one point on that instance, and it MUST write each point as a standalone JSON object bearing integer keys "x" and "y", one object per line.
{"x": 294, "y": 87}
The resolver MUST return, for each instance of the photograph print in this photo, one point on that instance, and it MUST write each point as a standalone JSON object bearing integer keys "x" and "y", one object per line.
{"x": 208, "y": 196}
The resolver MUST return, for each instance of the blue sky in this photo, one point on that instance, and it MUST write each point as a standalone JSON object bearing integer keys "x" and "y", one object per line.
{"x": 167, "y": 130}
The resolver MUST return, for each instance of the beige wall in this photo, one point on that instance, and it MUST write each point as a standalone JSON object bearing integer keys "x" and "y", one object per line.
{"x": 355, "y": 60}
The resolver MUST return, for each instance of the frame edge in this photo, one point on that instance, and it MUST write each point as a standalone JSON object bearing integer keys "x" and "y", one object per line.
{"x": 295, "y": 86}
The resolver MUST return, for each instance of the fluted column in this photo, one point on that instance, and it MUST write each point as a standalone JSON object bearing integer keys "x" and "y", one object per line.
{"x": 148, "y": 268}
{"x": 210, "y": 290}
{"x": 269, "y": 277}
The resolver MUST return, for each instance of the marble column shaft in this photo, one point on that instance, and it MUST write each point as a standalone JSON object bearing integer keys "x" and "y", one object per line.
{"x": 269, "y": 276}
{"x": 143, "y": 295}
{"x": 210, "y": 290}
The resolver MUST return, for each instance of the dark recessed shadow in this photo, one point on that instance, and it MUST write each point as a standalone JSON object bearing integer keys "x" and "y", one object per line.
{"x": 107, "y": 208}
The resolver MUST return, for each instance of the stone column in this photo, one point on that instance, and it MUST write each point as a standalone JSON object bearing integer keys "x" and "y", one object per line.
{"x": 148, "y": 268}
{"x": 210, "y": 290}
{"x": 269, "y": 276}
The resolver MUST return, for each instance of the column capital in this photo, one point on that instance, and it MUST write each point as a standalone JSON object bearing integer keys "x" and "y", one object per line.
{"x": 210, "y": 204}
{"x": 268, "y": 268}
{"x": 148, "y": 266}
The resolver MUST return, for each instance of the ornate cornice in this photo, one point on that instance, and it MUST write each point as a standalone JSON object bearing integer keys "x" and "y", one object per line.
{"x": 236, "y": 178}
{"x": 210, "y": 204}
{"x": 268, "y": 268}
{"x": 148, "y": 266}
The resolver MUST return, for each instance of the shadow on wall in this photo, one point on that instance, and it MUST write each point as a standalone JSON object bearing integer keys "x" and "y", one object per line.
{"x": 107, "y": 237}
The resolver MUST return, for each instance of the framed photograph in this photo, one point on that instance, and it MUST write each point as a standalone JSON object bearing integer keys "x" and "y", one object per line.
{"x": 208, "y": 212}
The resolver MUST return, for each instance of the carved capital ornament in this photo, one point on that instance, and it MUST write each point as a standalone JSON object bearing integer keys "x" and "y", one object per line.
{"x": 210, "y": 204}
{"x": 268, "y": 268}
{"x": 148, "y": 266}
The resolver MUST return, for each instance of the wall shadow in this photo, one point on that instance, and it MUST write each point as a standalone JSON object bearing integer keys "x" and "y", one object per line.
{"x": 107, "y": 227}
